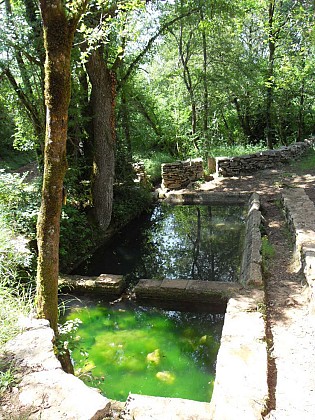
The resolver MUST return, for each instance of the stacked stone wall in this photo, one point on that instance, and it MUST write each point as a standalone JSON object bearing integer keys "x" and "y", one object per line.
{"x": 179, "y": 174}
{"x": 140, "y": 172}
{"x": 245, "y": 164}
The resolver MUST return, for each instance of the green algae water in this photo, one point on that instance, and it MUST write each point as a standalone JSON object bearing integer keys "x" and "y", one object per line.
{"x": 124, "y": 348}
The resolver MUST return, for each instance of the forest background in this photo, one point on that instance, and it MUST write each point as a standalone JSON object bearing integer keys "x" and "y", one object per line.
{"x": 152, "y": 81}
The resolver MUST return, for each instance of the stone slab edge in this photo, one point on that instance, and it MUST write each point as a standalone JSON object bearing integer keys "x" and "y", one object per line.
{"x": 209, "y": 197}
{"x": 110, "y": 285}
{"x": 299, "y": 212}
{"x": 185, "y": 291}
{"x": 240, "y": 388}
{"x": 251, "y": 266}
{"x": 45, "y": 391}
{"x": 143, "y": 407}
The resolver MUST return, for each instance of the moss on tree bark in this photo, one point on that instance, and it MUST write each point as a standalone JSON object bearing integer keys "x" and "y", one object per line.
{"x": 58, "y": 37}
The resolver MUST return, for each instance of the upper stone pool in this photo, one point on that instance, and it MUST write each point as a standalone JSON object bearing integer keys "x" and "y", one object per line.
{"x": 201, "y": 242}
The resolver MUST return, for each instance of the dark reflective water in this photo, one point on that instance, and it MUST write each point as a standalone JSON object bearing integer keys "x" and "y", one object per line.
{"x": 188, "y": 242}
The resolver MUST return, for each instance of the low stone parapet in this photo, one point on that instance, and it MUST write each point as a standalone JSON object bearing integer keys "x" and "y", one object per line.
{"x": 240, "y": 387}
{"x": 107, "y": 285}
{"x": 251, "y": 266}
{"x": 242, "y": 165}
{"x": 179, "y": 174}
{"x": 213, "y": 293}
{"x": 207, "y": 198}
{"x": 144, "y": 407}
{"x": 300, "y": 216}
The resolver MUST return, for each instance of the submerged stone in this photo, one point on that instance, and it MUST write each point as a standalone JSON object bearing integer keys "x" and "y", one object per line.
{"x": 165, "y": 376}
{"x": 154, "y": 357}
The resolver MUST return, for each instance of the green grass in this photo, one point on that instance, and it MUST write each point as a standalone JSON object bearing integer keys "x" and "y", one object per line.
{"x": 7, "y": 376}
{"x": 15, "y": 301}
{"x": 236, "y": 150}
{"x": 268, "y": 253}
{"x": 14, "y": 159}
{"x": 305, "y": 163}
{"x": 153, "y": 163}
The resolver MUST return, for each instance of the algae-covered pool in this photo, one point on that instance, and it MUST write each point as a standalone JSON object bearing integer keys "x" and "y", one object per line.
{"x": 123, "y": 348}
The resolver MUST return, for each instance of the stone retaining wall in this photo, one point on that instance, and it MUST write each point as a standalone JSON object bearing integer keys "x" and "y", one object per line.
{"x": 179, "y": 174}
{"x": 140, "y": 172}
{"x": 242, "y": 165}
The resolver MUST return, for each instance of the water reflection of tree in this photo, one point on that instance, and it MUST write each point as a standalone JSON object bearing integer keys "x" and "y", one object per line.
{"x": 195, "y": 242}
{"x": 196, "y": 247}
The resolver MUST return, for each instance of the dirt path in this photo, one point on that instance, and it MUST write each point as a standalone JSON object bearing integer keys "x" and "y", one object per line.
{"x": 292, "y": 333}
{"x": 291, "y": 329}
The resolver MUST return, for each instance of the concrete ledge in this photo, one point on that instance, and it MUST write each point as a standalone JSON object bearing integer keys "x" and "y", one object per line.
{"x": 209, "y": 197}
{"x": 300, "y": 215}
{"x": 240, "y": 388}
{"x": 107, "y": 285}
{"x": 185, "y": 291}
{"x": 251, "y": 266}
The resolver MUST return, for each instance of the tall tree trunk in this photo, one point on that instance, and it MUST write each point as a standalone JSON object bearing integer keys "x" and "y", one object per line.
{"x": 58, "y": 37}
{"x": 187, "y": 79}
{"x": 270, "y": 81}
{"x": 126, "y": 124}
{"x": 103, "y": 103}
{"x": 205, "y": 80}
{"x": 243, "y": 120}
{"x": 301, "y": 124}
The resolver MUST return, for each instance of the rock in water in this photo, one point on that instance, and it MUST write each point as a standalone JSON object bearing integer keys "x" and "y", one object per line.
{"x": 166, "y": 377}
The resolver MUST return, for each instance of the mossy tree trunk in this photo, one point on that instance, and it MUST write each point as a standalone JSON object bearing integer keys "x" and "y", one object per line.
{"x": 58, "y": 36}
{"x": 102, "y": 103}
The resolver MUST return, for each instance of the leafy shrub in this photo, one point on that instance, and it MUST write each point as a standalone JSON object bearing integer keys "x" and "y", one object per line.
{"x": 77, "y": 236}
{"x": 235, "y": 150}
{"x": 153, "y": 164}
{"x": 129, "y": 202}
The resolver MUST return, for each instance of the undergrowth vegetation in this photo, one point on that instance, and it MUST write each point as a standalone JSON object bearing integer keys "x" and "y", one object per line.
{"x": 268, "y": 253}
{"x": 306, "y": 163}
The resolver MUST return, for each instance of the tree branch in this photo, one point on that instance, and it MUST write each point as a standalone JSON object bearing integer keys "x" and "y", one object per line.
{"x": 137, "y": 60}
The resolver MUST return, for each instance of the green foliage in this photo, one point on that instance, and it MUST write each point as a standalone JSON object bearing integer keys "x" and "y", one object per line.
{"x": 14, "y": 302}
{"x": 307, "y": 162}
{"x": 153, "y": 164}
{"x": 67, "y": 336}
{"x": 268, "y": 253}
{"x": 129, "y": 202}
{"x": 17, "y": 263}
{"x": 77, "y": 236}
{"x": 7, "y": 377}
{"x": 234, "y": 150}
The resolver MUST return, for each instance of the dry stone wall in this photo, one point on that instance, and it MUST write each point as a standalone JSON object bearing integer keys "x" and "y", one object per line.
{"x": 179, "y": 174}
{"x": 241, "y": 165}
